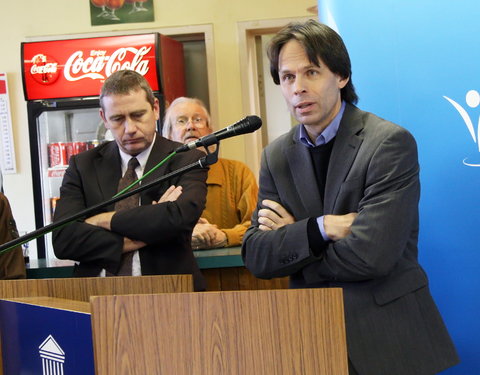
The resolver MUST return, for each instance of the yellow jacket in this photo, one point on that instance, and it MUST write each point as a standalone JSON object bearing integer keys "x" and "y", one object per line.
{"x": 231, "y": 198}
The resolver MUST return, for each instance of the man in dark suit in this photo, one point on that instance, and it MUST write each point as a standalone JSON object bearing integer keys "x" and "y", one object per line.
{"x": 338, "y": 207}
{"x": 155, "y": 234}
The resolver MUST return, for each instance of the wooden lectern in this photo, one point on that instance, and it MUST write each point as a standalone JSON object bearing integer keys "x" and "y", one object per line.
{"x": 171, "y": 330}
{"x": 284, "y": 332}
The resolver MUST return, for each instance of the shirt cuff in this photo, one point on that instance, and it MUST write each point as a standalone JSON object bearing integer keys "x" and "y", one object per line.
{"x": 321, "y": 227}
{"x": 315, "y": 240}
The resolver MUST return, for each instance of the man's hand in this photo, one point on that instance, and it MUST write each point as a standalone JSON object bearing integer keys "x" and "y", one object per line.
{"x": 102, "y": 220}
{"x": 131, "y": 245}
{"x": 274, "y": 216}
{"x": 206, "y": 235}
{"x": 338, "y": 226}
{"x": 171, "y": 195}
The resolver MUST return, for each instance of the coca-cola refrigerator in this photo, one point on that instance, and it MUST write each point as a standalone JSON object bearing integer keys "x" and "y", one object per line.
{"x": 62, "y": 80}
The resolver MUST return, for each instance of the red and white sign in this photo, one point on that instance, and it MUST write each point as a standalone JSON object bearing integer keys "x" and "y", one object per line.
{"x": 78, "y": 67}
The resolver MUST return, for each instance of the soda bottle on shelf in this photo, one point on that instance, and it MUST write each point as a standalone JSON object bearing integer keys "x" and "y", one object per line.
{"x": 53, "y": 204}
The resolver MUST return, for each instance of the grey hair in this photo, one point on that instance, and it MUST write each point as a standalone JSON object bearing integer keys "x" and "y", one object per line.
{"x": 168, "y": 119}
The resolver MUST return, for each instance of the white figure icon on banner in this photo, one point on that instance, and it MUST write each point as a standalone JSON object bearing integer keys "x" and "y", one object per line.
{"x": 472, "y": 99}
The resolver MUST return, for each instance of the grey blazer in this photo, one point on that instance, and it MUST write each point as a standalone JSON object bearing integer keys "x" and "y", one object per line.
{"x": 393, "y": 326}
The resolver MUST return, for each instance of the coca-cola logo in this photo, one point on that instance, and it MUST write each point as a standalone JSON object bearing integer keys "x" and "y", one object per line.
{"x": 99, "y": 65}
{"x": 44, "y": 69}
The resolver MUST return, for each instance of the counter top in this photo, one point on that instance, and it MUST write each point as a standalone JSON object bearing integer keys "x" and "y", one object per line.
{"x": 213, "y": 258}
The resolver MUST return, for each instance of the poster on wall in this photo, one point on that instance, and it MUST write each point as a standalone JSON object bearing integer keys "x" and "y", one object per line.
{"x": 107, "y": 12}
{"x": 7, "y": 150}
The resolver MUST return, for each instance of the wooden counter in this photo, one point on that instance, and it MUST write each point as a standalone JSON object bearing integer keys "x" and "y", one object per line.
{"x": 223, "y": 270}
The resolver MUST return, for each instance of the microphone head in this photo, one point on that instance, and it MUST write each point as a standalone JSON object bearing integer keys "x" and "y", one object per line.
{"x": 255, "y": 122}
{"x": 247, "y": 125}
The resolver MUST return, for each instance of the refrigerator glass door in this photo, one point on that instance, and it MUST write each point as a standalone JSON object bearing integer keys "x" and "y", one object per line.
{"x": 61, "y": 134}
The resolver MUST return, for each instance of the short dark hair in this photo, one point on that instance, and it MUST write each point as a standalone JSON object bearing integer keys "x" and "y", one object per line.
{"x": 319, "y": 42}
{"x": 122, "y": 82}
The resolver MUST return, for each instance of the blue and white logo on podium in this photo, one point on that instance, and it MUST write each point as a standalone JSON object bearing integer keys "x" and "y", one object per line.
{"x": 53, "y": 357}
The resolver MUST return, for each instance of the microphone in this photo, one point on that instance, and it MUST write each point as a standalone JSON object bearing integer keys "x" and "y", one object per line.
{"x": 246, "y": 125}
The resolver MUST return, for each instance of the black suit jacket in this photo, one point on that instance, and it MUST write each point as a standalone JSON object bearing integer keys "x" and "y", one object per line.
{"x": 393, "y": 326}
{"x": 92, "y": 177}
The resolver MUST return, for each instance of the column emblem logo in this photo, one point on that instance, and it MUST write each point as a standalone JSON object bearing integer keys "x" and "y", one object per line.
{"x": 53, "y": 357}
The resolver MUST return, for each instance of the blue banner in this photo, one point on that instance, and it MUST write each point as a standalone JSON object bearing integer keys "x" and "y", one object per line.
{"x": 416, "y": 63}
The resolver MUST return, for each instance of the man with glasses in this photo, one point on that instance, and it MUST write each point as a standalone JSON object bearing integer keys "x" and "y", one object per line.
{"x": 232, "y": 188}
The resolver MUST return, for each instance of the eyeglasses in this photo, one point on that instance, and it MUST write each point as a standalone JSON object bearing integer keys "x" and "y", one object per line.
{"x": 198, "y": 121}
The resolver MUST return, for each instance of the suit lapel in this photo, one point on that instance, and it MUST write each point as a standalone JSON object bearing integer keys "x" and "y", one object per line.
{"x": 161, "y": 148}
{"x": 108, "y": 157}
{"x": 345, "y": 149}
{"x": 304, "y": 179}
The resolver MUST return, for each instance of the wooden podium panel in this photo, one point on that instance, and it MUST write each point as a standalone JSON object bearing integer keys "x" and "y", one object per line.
{"x": 54, "y": 303}
{"x": 292, "y": 332}
{"x": 82, "y": 288}
{"x": 33, "y": 310}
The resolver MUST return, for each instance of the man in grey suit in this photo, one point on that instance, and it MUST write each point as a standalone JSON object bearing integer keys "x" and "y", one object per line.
{"x": 154, "y": 235}
{"x": 338, "y": 207}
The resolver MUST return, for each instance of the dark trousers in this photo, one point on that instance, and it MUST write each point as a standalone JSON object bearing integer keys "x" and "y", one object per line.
{"x": 351, "y": 369}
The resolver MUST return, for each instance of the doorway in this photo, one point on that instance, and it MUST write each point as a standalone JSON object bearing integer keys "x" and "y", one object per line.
{"x": 260, "y": 96}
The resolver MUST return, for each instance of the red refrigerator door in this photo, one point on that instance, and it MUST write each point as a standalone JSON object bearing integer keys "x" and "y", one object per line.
{"x": 172, "y": 68}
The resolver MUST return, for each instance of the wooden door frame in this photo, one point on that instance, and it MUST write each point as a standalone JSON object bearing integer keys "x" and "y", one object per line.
{"x": 247, "y": 32}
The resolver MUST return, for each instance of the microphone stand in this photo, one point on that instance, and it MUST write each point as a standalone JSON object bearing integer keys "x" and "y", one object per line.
{"x": 209, "y": 159}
